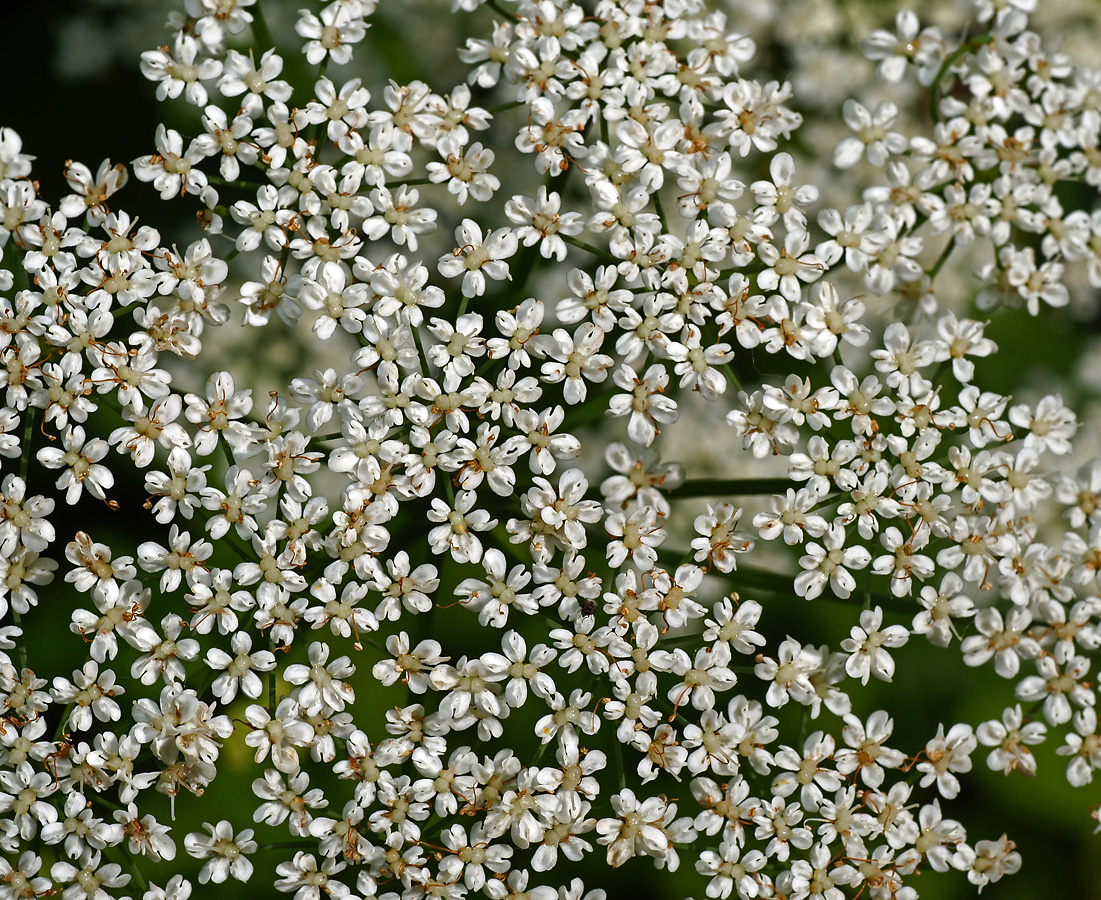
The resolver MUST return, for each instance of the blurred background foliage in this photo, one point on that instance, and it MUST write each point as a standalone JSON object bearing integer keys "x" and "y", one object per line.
{"x": 78, "y": 95}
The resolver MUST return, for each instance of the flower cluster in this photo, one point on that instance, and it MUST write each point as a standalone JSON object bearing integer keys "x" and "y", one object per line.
{"x": 607, "y": 220}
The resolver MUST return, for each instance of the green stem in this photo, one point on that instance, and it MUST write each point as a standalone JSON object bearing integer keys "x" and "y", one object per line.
{"x": 540, "y": 751}
{"x": 501, "y": 11}
{"x": 828, "y": 501}
{"x": 659, "y": 209}
{"x": 942, "y": 259}
{"x": 949, "y": 61}
{"x": 589, "y": 248}
{"x": 60, "y": 730}
{"x": 783, "y": 585}
{"x": 204, "y": 687}
{"x": 420, "y": 349}
{"x": 123, "y": 310}
{"x": 20, "y": 279}
{"x": 286, "y": 845}
{"x": 737, "y": 487}
{"x": 620, "y": 768}
{"x": 728, "y": 371}
{"x": 315, "y": 130}
{"x": 28, "y": 433}
{"x": 260, "y": 29}
{"x": 752, "y": 269}
{"x": 273, "y": 678}
{"x": 105, "y": 801}
{"x": 504, "y": 107}
{"x": 243, "y": 551}
{"x": 217, "y": 179}
{"x": 501, "y": 541}
{"x": 227, "y": 452}
{"x": 132, "y": 865}
{"x": 20, "y": 646}
{"x": 590, "y": 410}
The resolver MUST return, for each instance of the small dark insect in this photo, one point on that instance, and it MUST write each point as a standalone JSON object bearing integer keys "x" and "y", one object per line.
{"x": 588, "y": 608}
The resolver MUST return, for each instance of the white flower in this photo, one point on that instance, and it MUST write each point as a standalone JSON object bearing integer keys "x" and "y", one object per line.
{"x": 720, "y": 543}
{"x": 457, "y": 534}
{"x": 92, "y": 869}
{"x": 645, "y": 402}
{"x": 239, "y": 670}
{"x": 939, "y": 608}
{"x": 476, "y": 257}
{"x": 146, "y": 836}
{"x": 1056, "y": 686}
{"x": 23, "y": 521}
{"x": 867, "y": 646}
{"x": 92, "y": 693}
{"x": 789, "y": 674}
{"x": 177, "y": 888}
{"x": 541, "y": 222}
{"x": 908, "y": 44}
{"x": 555, "y": 136}
{"x": 267, "y": 220}
{"x": 1050, "y": 426}
{"x": 564, "y": 510}
{"x": 398, "y": 217}
{"x": 577, "y": 361}
{"x": 459, "y": 344}
{"x": 638, "y": 828}
{"x": 786, "y": 266}
{"x": 403, "y": 289}
{"x": 992, "y": 860}
{"x": 1009, "y": 738}
{"x": 332, "y": 35}
{"x": 946, "y": 755}
{"x": 472, "y": 856}
{"x": 830, "y": 564}
{"x": 280, "y": 734}
{"x": 790, "y": 516}
{"x": 225, "y": 852}
{"x": 80, "y": 460}
{"x": 730, "y": 870}
{"x": 306, "y": 878}
{"x": 465, "y": 171}
{"x": 178, "y": 489}
{"x": 873, "y": 138}
{"x": 781, "y": 195}
{"x": 178, "y": 71}
{"x": 227, "y": 137}
{"x": 502, "y": 591}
